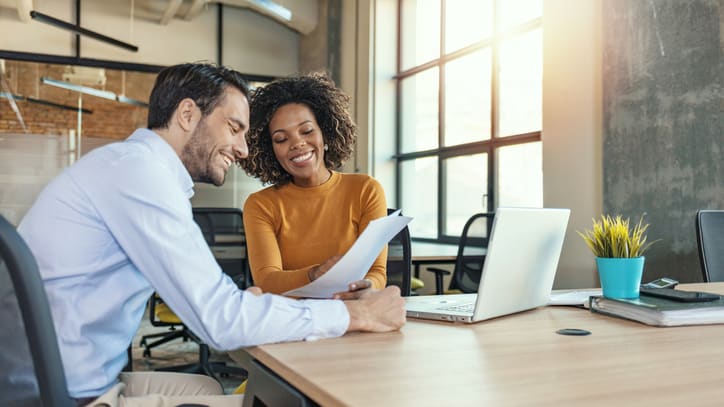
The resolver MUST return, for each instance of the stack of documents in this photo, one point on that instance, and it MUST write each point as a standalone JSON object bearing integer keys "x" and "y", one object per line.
{"x": 661, "y": 312}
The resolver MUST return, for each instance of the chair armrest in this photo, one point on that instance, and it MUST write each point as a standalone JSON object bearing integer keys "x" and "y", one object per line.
{"x": 438, "y": 278}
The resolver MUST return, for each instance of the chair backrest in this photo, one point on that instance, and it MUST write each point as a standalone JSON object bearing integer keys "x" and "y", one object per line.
{"x": 399, "y": 260}
{"x": 710, "y": 241}
{"x": 27, "y": 335}
{"x": 223, "y": 229}
{"x": 471, "y": 253}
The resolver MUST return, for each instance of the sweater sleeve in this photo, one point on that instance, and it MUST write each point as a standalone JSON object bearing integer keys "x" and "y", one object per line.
{"x": 374, "y": 206}
{"x": 265, "y": 259}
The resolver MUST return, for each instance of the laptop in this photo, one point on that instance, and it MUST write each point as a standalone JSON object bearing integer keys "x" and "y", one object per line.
{"x": 520, "y": 265}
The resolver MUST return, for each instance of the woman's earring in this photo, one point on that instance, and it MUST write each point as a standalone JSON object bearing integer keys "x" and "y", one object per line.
{"x": 326, "y": 147}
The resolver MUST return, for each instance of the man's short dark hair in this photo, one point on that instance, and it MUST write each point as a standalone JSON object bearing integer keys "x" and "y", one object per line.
{"x": 204, "y": 83}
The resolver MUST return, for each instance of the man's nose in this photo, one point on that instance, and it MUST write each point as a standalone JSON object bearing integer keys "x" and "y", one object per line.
{"x": 241, "y": 150}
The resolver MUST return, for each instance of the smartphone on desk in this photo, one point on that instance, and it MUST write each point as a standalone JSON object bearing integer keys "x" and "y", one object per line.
{"x": 679, "y": 295}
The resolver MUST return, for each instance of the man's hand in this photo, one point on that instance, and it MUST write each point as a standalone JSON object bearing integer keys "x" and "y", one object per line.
{"x": 377, "y": 311}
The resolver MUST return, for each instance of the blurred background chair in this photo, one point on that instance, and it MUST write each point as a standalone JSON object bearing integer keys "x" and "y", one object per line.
{"x": 470, "y": 257}
{"x": 710, "y": 241}
{"x": 32, "y": 371}
{"x": 223, "y": 230}
{"x": 399, "y": 260}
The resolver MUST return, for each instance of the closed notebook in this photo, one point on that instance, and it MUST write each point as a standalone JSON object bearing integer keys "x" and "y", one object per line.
{"x": 660, "y": 311}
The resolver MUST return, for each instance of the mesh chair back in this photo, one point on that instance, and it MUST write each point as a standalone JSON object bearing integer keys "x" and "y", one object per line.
{"x": 710, "y": 241}
{"x": 223, "y": 229}
{"x": 471, "y": 253}
{"x": 399, "y": 260}
{"x": 27, "y": 336}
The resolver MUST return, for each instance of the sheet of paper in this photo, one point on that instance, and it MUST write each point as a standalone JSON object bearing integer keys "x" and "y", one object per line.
{"x": 357, "y": 261}
{"x": 572, "y": 297}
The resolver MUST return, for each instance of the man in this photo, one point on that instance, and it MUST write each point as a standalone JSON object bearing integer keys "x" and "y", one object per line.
{"x": 117, "y": 226}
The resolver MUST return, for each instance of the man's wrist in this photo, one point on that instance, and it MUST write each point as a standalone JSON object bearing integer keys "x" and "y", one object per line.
{"x": 355, "y": 309}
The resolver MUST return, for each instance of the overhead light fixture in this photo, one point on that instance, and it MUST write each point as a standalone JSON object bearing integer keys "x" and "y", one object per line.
{"x": 274, "y": 8}
{"x": 43, "y": 102}
{"x": 93, "y": 92}
{"x": 44, "y": 18}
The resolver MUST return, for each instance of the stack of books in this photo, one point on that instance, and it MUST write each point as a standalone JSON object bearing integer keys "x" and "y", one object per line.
{"x": 660, "y": 311}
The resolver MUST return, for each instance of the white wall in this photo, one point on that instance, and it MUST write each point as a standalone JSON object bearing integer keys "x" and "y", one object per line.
{"x": 572, "y": 126}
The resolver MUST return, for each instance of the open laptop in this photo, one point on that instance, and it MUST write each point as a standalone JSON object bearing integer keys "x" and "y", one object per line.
{"x": 520, "y": 265}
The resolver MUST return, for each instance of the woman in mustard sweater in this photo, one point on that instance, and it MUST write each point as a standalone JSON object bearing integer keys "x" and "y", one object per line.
{"x": 300, "y": 132}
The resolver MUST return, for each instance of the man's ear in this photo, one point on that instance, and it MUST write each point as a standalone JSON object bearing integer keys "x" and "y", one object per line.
{"x": 187, "y": 114}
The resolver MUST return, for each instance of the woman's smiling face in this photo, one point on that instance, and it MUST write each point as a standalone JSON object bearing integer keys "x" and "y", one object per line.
{"x": 298, "y": 144}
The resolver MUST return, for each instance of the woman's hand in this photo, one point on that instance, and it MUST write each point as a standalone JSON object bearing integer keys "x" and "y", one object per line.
{"x": 356, "y": 290}
{"x": 316, "y": 272}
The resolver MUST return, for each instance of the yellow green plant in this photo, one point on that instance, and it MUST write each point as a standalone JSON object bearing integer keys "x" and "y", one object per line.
{"x": 614, "y": 237}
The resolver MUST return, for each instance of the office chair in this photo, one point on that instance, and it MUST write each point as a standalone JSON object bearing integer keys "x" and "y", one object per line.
{"x": 399, "y": 260}
{"x": 223, "y": 230}
{"x": 32, "y": 371}
{"x": 710, "y": 241}
{"x": 470, "y": 257}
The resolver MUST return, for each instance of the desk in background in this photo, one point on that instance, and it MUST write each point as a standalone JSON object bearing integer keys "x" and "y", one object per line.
{"x": 512, "y": 360}
{"x": 431, "y": 253}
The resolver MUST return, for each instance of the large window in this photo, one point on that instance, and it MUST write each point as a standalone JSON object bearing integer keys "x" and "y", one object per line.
{"x": 469, "y": 80}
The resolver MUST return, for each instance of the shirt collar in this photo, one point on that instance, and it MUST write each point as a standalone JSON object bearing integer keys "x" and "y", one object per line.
{"x": 166, "y": 154}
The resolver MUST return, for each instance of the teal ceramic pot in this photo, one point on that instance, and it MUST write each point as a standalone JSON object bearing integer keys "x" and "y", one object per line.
{"x": 620, "y": 277}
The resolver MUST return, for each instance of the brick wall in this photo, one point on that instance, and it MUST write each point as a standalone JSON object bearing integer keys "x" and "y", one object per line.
{"x": 110, "y": 119}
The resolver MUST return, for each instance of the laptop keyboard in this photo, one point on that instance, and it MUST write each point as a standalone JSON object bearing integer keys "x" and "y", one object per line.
{"x": 469, "y": 307}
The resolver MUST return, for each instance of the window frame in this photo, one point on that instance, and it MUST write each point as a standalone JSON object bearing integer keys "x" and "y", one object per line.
{"x": 489, "y": 146}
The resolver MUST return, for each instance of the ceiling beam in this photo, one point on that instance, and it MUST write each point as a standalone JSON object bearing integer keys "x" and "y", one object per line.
{"x": 24, "y": 7}
{"x": 195, "y": 9}
{"x": 170, "y": 12}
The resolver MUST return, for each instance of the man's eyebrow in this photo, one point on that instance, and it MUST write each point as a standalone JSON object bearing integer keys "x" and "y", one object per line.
{"x": 238, "y": 122}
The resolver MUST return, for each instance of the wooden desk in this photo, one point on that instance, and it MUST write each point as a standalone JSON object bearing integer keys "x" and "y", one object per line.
{"x": 514, "y": 360}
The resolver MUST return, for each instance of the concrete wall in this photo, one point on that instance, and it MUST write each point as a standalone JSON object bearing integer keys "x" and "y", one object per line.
{"x": 663, "y": 122}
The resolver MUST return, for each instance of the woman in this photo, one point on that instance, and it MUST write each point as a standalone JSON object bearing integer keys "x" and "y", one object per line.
{"x": 296, "y": 229}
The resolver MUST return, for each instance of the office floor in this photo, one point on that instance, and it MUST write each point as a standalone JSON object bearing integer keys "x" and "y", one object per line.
{"x": 176, "y": 353}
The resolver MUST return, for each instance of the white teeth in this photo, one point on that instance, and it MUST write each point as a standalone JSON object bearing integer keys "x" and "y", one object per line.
{"x": 302, "y": 157}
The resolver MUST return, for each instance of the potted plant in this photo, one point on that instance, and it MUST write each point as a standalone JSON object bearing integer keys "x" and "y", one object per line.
{"x": 619, "y": 249}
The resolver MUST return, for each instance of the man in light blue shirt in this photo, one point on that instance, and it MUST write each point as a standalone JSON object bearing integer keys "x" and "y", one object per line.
{"x": 117, "y": 226}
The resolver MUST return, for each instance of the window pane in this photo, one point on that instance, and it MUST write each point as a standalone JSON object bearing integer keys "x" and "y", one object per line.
{"x": 419, "y": 123}
{"x": 520, "y": 175}
{"x": 521, "y": 78}
{"x": 466, "y": 22}
{"x": 420, "y": 32}
{"x": 466, "y": 188}
{"x": 419, "y": 195}
{"x": 467, "y": 98}
{"x": 516, "y": 12}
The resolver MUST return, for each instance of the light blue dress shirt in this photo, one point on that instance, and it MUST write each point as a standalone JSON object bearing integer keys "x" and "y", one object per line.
{"x": 116, "y": 226}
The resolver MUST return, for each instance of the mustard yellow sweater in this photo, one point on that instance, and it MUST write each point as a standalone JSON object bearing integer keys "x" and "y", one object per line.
{"x": 290, "y": 229}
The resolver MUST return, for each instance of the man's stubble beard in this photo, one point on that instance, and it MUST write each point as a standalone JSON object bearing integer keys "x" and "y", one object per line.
{"x": 197, "y": 159}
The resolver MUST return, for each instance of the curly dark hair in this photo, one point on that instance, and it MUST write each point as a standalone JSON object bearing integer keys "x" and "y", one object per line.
{"x": 330, "y": 108}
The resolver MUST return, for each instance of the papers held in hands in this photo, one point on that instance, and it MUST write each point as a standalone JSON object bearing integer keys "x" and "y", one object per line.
{"x": 357, "y": 261}
{"x": 660, "y": 311}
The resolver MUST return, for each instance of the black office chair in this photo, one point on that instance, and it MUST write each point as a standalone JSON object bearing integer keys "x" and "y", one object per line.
{"x": 710, "y": 241}
{"x": 399, "y": 260}
{"x": 470, "y": 257}
{"x": 223, "y": 229}
{"x": 32, "y": 371}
